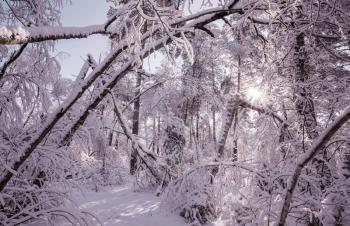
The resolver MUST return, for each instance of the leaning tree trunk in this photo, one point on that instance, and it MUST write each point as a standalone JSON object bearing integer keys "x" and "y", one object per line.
{"x": 232, "y": 107}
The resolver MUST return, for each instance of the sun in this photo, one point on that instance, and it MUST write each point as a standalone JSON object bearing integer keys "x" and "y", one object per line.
{"x": 254, "y": 94}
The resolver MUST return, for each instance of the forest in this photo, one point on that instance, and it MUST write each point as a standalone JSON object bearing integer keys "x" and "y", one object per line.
{"x": 245, "y": 120}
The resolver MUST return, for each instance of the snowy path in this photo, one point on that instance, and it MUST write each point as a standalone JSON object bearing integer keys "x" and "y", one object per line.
{"x": 121, "y": 206}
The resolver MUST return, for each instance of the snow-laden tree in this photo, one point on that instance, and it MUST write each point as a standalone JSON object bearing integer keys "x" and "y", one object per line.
{"x": 245, "y": 120}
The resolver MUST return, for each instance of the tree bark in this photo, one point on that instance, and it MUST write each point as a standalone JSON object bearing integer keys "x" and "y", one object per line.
{"x": 235, "y": 124}
{"x": 346, "y": 161}
{"x": 214, "y": 128}
{"x": 232, "y": 106}
{"x": 135, "y": 124}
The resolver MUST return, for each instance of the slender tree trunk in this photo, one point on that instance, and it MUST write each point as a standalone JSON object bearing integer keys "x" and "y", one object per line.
{"x": 214, "y": 128}
{"x": 155, "y": 138}
{"x": 197, "y": 125}
{"x": 158, "y": 135}
{"x": 345, "y": 168}
{"x": 232, "y": 106}
{"x": 209, "y": 133}
{"x": 305, "y": 108}
{"x": 110, "y": 138}
{"x": 213, "y": 108}
{"x": 235, "y": 124}
{"x": 191, "y": 132}
{"x": 135, "y": 125}
{"x": 235, "y": 138}
{"x": 146, "y": 131}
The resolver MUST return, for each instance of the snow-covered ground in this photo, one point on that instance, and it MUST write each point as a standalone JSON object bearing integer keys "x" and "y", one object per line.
{"x": 122, "y": 206}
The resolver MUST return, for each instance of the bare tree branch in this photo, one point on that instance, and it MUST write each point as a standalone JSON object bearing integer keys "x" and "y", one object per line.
{"x": 12, "y": 59}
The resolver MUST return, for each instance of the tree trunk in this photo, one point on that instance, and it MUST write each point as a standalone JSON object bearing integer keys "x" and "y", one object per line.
{"x": 305, "y": 108}
{"x": 345, "y": 168}
{"x": 110, "y": 138}
{"x": 146, "y": 158}
{"x": 232, "y": 107}
{"x": 135, "y": 124}
{"x": 235, "y": 124}
{"x": 214, "y": 129}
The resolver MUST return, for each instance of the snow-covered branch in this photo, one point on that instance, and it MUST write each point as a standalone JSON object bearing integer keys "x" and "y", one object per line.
{"x": 245, "y": 104}
{"x": 20, "y": 35}
{"x": 36, "y": 139}
{"x": 306, "y": 158}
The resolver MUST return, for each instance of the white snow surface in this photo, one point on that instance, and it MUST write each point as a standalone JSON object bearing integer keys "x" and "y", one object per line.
{"x": 122, "y": 206}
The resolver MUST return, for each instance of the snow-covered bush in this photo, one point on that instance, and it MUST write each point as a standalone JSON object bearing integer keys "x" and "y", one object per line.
{"x": 192, "y": 196}
{"x": 96, "y": 173}
{"x": 27, "y": 204}
{"x": 40, "y": 189}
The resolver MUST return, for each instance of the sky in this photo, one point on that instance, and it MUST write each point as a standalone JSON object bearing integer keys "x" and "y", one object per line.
{"x": 72, "y": 52}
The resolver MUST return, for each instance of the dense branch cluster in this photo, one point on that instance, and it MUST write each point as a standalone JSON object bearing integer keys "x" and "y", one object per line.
{"x": 245, "y": 120}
